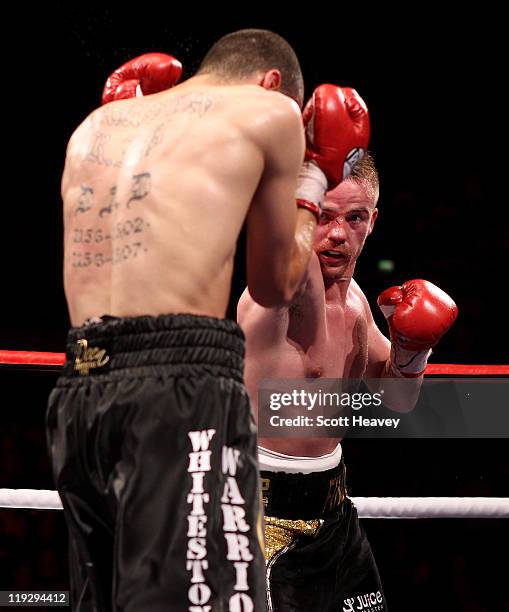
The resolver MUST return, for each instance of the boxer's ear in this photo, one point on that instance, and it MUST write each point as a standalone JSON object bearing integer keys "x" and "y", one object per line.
{"x": 374, "y": 216}
{"x": 271, "y": 80}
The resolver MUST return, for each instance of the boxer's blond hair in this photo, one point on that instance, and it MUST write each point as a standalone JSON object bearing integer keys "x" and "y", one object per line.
{"x": 239, "y": 55}
{"x": 365, "y": 172}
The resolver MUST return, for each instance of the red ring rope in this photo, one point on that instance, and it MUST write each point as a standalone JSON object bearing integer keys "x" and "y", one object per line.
{"x": 31, "y": 358}
{"x": 36, "y": 358}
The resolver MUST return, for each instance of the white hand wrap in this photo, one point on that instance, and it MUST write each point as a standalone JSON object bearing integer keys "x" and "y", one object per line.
{"x": 408, "y": 363}
{"x": 311, "y": 184}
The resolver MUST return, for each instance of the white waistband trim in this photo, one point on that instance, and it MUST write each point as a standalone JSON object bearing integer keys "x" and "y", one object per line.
{"x": 270, "y": 461}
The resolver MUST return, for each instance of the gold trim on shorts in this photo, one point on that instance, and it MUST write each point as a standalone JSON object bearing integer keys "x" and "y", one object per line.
{"x": 281, "y": 532}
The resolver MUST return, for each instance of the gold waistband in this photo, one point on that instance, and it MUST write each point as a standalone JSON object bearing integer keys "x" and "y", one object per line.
{"x": 282, "y": 532}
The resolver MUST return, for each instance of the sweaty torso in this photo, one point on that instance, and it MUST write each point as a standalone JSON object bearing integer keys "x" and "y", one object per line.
{"x": 314, "y": 338}
{"x": 155, "y": 192}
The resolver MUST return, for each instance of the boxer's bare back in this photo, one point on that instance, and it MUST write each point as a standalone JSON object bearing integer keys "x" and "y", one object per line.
{"x": 156, "y": 190}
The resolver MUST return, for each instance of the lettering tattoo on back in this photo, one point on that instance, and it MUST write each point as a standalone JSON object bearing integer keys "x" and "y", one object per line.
{"x": 113, "y": 205}
{"x": 85, "y": 199}
{"x": 98, "y": 246}
{"x": 96, "y": 153}
{"x": 140, "y": 188}
{"x": 156, "y": 139}
{"x": 194, "y": 103}
{"x": 197, "y": 104}
{"x": 132, "y": 117}
{"x": 98, "y": 243}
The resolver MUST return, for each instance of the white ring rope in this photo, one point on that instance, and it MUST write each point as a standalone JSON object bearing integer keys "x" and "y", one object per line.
{"x": 30, "y": 499}
{"x": 367, "y": 507}
{"x": 432, "y": 507}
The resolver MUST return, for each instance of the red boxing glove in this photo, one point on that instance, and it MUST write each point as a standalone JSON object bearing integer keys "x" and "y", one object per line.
{"x": 147, "y": 74}
{"x": 337, "y": 136}
{"x": 337, "y": 131}
{"x": 419, "y": 313}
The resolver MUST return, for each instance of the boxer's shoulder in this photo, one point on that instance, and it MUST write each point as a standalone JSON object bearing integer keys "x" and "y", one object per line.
{"x": 265, "y": 112}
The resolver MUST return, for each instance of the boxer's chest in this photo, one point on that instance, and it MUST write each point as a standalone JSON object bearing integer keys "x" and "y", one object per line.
{"x": 335, "y": 347}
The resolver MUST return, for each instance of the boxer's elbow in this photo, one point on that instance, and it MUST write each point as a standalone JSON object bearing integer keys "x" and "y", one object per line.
{"x": 271, "y": 296}
{"x": 271, "y": 288}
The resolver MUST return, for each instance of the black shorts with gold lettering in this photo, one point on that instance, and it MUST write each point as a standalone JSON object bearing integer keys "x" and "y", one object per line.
{"x": 153, "y": 447}
{"x": 317, "y": 553}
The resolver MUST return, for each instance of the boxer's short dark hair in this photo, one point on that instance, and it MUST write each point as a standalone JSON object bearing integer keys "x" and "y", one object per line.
{"x": 239, "y": 54}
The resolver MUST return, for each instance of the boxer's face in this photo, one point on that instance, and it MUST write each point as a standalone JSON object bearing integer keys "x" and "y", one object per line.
{"x": 347, "y": 219}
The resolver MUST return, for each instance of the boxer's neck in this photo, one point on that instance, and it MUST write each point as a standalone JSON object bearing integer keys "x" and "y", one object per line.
{"x": 213, "y": 80}
{"x": 336, "y": 290}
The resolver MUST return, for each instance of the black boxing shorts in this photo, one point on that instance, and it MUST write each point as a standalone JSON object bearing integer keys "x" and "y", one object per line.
{"x": 153, "y": 447}
{"x": 318, "y": 557}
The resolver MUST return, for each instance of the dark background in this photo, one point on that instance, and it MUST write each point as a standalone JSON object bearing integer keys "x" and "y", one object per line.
{"x": 434, "y": 84}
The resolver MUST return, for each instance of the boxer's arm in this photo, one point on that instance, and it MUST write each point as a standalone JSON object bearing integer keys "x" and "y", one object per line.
{"x": 262, "y": 325}
{"x": 244, "y": 306}
{"x": 265, "y": 327}
{"x": 398, "y": 397}
{"x": 248, "y": 309}
{"x": 279, "y": 236}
